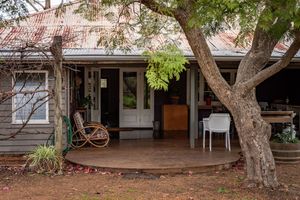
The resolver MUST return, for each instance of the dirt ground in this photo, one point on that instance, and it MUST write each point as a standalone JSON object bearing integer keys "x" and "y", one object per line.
{"x": 80, "y": 183}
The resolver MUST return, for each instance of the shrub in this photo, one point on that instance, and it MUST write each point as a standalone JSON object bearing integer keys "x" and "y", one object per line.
{"x": 44, "y": 159}
{"x": 288, "y": 135}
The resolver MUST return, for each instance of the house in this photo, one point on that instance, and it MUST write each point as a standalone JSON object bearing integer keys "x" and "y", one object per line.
{"x": 112, "y": 85}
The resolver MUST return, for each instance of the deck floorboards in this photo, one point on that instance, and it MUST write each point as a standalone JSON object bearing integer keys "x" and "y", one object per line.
{"x": 155, "y": 156}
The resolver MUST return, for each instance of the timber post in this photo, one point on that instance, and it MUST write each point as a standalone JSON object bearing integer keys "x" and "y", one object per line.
{"x": 193, "y": 106}
{"x": 56, "y": 50}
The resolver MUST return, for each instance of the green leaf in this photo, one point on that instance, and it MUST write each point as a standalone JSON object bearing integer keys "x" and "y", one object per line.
{"x": 164, "y": 65}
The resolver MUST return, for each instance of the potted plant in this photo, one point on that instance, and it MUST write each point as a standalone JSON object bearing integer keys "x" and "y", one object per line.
{"x": 285, "y": 146}
{"x": 208, "y": 100}
{"x": 85, "y": 102}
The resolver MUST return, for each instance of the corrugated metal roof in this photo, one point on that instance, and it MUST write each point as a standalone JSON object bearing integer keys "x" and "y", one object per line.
{"x": 80, "y": 36}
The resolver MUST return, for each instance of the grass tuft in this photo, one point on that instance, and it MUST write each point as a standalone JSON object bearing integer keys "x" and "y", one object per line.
{"x": 44, "y": 159}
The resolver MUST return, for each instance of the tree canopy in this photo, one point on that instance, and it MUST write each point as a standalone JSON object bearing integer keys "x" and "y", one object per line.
{"x": 260, "y": 24}
{"x": 12, "y": 9}
{"x": 19, "y": 9}
{"x": 279, "y": 19}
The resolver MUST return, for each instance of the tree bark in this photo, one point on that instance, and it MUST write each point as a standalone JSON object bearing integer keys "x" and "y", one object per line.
{"x": 56, "y": 50}
{"x": 253, "y": 131}
{"x": 254, "y": 134}
{"x": 47, "y": 4}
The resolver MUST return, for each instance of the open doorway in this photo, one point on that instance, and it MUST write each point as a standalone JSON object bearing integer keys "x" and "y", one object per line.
{"x": 110, "y": 97}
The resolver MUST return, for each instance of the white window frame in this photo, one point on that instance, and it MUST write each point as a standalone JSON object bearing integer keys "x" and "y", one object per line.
{"x": 31, "y": 121}
{"x": 202, "y": 81}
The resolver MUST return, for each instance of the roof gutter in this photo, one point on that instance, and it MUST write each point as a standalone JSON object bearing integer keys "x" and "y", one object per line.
{"x": 142, "y": 58}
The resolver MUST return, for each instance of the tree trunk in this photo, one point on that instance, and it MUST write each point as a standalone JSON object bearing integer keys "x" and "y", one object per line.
{"x": 47, "y": 4}
{"x": 56, "y": 50}
{"x": 254, "y": 134}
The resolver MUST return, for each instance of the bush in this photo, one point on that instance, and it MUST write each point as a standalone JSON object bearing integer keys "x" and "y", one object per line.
{"x": 288, "y": 135}
{"x": 44, "y": 159}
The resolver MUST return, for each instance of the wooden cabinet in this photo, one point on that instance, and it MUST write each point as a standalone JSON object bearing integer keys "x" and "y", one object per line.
{"x": 175, "y": 117}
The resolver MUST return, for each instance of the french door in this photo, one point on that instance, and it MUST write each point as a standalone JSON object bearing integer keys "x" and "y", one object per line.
{"x": 93, "y": 91}
{"x": 136, "y": 99}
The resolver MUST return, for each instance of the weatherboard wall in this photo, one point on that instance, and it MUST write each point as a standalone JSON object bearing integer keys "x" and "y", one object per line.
{"x": 33, "y": 134}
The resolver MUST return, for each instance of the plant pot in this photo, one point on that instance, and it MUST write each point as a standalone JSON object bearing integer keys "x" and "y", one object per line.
{"x": 286, "y": 153}
{"x": 208, "y": 101}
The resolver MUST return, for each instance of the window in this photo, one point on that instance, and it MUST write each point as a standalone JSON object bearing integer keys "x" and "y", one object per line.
{"x": 204, "y": 90}
{"x": 30, "y": 100}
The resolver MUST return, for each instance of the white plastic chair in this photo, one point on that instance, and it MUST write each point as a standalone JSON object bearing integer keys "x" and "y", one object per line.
{"x": 217, "y": 123}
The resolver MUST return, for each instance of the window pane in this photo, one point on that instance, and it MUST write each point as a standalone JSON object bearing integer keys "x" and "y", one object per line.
{"x": 30, "y": 96}
{"x": 129, "y": 90}
{"x": 146, "y": 93}
{"x": 30, "y": 80}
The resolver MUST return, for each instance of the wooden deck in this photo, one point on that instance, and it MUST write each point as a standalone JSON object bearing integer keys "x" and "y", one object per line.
{"x": 155, "y": 156}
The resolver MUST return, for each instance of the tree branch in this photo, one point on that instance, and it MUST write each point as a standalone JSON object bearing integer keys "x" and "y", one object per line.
{"x": 204, "y": 56}
{"x": 28, "y": 118}
{"x": 198, "y": 45}
{"x": 158, "y": 8}
{"x": 31, "y": 4}
{"x": 39, "y": 3}
{"x": 276, "y": 67}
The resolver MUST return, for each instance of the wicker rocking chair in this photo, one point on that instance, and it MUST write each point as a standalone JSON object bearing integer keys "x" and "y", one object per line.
{"x": 93, "y": 133}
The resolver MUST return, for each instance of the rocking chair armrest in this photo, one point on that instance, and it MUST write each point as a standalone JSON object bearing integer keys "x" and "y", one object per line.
{"x": 96, "y": 124}
{"x": 93, "y": 127}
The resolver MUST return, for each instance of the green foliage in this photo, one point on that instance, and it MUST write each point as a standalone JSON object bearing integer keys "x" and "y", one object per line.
{"x": 216, "y": 15}
{"x": 135, "y": 26}
{"x": 163, "y": 66}
{"x": 279, "y": 16}
{"x": 286, "y": 137}
{"x": 86, "y": 101}
{"x": 129, "y": 101}
{"x": 89, "y": 10}
{"x": 132, "y": 26}
{"x": 12, "y": 9}
{"x": 44, "y": 159}
{"x": 275, "y": 16}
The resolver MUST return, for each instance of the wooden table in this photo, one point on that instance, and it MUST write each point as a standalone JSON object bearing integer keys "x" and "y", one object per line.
{"x": 175, "y": 117}
{"x": 278, "y": 116}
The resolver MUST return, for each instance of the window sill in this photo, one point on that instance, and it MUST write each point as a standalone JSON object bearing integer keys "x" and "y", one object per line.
{"x": 31, "y": 123}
